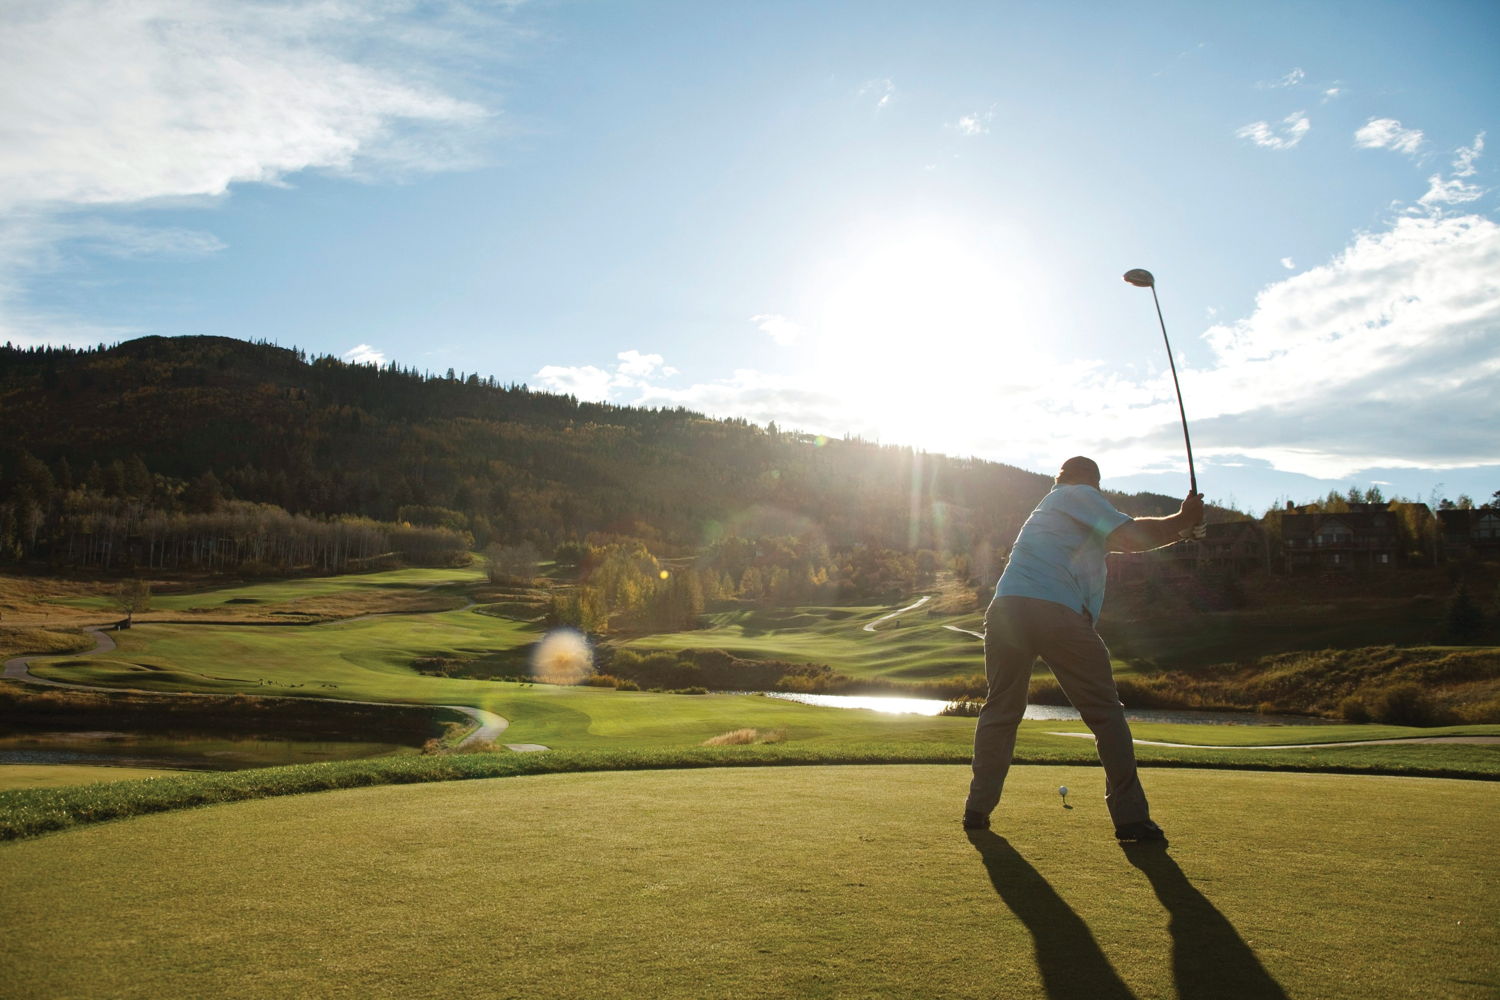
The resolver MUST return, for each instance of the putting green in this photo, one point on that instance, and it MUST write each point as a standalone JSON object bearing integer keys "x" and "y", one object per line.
{"x": 775, "y": 882}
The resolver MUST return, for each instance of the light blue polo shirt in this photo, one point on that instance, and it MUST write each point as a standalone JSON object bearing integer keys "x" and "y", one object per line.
{"x": 1059, "y": 554}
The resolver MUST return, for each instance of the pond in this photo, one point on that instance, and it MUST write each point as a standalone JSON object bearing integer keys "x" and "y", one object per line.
{"x": 1047, "y": 713}
{"x": 180, "y": 751}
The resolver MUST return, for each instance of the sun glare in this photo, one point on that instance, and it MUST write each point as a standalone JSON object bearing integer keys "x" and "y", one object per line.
{"x": 914, "y": 323}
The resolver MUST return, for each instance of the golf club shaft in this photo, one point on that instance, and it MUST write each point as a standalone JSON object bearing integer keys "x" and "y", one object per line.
{"x": 1192, "y": 476}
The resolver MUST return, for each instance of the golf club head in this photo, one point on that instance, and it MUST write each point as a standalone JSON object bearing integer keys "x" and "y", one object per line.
{"x": 1140, "y": 277}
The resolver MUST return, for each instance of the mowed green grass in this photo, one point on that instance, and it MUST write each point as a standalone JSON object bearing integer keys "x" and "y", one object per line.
{"x": 13, "y": 776}
{"x": 919, "y": 648}
{"x": 368, "y": 660}
{"x": 296, "y": 588}
{"x": 773, "y": 882}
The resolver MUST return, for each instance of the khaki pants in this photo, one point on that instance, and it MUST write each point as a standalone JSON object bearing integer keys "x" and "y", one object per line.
{"x": 1017, "y": 631}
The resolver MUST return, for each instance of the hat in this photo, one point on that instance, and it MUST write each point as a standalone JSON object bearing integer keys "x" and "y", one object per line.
{"x": 1078, "y": 470}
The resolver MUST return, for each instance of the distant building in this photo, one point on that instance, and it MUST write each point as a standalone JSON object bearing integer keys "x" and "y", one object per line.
{"x": 1234, "y": 546}
{"x": 1471, "y": 533}
{"x": 1361, "y": 539}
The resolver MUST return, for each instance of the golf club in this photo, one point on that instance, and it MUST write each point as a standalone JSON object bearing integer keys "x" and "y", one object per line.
{"x": 1142, "y": 278}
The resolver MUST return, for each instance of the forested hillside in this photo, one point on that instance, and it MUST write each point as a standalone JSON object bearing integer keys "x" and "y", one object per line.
{"x": 186, "y": 451}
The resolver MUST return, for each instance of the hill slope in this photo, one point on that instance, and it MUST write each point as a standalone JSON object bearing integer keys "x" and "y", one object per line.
{"x": 179, "y": 422}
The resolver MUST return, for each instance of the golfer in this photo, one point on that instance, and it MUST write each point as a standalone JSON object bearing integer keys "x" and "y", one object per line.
{"x": 1046, "y": 604}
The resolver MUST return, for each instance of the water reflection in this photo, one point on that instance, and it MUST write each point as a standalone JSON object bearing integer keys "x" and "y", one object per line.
{"x": 1043, "y": 713}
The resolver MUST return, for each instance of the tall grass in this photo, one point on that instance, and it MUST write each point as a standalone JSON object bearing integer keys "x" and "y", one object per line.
{"x": 1422, "y": 686}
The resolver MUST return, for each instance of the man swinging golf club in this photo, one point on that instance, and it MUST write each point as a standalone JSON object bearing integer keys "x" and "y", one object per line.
{"x": 1046, "y": 604}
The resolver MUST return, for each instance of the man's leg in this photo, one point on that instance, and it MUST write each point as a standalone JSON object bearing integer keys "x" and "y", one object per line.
{"x": 1080, "y": 661}
{"x": 1008, "y": 657}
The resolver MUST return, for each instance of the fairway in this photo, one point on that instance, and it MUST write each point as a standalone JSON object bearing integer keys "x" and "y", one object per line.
{"x": 913, "y": 646}
{"x": 772, "y": 882}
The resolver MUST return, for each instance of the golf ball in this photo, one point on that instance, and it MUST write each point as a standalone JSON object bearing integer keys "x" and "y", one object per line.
{"x": 1062, "y": 790}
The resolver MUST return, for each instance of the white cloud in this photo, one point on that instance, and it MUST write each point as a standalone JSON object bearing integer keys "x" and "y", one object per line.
{"x": 1332, "y": 93}
{"x": 111, "y": 103}
{"x": 977, "y": 123}
{"x": 778, "y": 328}
{"x": 584, "y": 381}
{"x": 633, "y": 370}
{"x": 1292, "y": 128}
{"x": 1387, "y": 356}
{"x": 1288, "y": 263}
{"x": 364, "y": 354}
{"x": 1292, "y": 79}
{"x": 1388, "y": 133}
{"x": 1463, "y": 160}
{"x": 1457, "y": 189}
{"x": 635, "y": 365}
{"x": 881, "y": 90}
{"x": 164, "y": 98}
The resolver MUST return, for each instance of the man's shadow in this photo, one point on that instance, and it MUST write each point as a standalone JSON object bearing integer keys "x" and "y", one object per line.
{"x": 1210, "y": 961}
{"x": 1209, "y": 958}
{"x": 1068, "y": 957}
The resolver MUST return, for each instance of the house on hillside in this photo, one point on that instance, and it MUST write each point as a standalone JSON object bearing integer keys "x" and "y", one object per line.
{"x": 1471, "y": 533}
{"x": 1240, "y": 546}
{"x": 1234, "y": 546}
{"x": 1353, "y": 540}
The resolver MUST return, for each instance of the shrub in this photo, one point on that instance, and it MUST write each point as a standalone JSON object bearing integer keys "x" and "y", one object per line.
{"x": 1046, "y": 691}
{"x": 1354, "y": 710}
{"x": 689, "y": 690}
{"x": 1465, "y": 619}
{"x": 600, "y": 681}
{"x": 1406, "y": 705}
{"x": 962, "y": 707}
{"x": 626, "y": 685}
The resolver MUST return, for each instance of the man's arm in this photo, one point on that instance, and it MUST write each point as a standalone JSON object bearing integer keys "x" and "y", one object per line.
{"x": 1153, "y": 532}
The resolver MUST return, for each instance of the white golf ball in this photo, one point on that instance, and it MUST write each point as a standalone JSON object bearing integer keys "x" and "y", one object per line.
{"x": 1062, "y": 790}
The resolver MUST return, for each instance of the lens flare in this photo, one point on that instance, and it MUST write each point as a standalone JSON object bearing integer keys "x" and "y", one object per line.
{"x": 562, "y": 657}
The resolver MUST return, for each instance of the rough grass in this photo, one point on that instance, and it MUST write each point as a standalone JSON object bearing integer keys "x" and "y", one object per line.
{"x": 739, "y": 737}
{"x": 14, "y": 776}
{"x": 813, "y": 882}
{"x": 36, "y": 600}
{"x": 1454, "y": 685}
{"x": 27, "y": 640}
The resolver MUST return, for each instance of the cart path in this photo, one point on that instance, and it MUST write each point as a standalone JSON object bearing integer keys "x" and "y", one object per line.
{"x": 1472, "y": 740}
{"x": 899, "y": 611}
{"x": 488, "y": 725}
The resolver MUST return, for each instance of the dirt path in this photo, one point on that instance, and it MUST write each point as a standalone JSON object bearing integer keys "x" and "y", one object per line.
{"x": 488, "y": 725}
{"x": 899, "y": 611}
{"x": 1473, "y": 740}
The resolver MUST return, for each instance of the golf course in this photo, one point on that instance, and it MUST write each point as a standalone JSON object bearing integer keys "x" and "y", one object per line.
{"x": 816, "y": 853}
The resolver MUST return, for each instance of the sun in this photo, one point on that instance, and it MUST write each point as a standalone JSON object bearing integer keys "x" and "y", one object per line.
{"x": 913, "y": 318}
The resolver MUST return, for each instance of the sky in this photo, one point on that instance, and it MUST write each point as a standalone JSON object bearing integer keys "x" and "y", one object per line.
{"x": 903, "y": 222}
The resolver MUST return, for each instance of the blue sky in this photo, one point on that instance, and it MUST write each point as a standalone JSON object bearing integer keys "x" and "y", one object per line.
{"x": 902, "y": 221}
